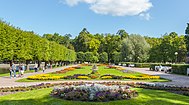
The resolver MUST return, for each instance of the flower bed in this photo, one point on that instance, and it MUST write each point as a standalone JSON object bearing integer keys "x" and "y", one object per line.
{"x": 44, "y": 77}
{"x": 143, "y": 77}
{"x": 67, "y": 69}
{"x": 111, "y": 67}
{"x": 108, "y": 76}
{"x": 153, "y": 86}
{"x": 93, "y": 92}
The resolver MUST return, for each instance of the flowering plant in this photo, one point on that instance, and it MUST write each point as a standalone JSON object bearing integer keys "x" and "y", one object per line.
{"x": 94, "y": 92}
{"x": 44, "y": 77}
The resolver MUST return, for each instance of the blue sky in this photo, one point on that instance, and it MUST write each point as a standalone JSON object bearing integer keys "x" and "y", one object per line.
{"x": 145, "y": 17}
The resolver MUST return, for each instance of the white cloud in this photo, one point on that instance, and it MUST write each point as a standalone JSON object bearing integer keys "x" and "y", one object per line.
{"x": 116, "y": 7}
{"x": 145, "y": 16}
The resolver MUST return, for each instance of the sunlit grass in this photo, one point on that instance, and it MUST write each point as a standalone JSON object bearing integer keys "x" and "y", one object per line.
{"x": 102, "y": 71}
{"x": 146, "y": 97}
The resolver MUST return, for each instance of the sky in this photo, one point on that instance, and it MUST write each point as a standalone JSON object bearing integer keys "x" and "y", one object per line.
{"x": 151, "y": 18}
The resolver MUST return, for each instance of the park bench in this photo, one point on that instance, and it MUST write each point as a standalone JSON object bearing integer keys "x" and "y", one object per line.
{"x": 166, "y": 69}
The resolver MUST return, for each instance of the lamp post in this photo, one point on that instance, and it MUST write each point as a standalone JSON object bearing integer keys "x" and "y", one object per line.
{"x": 176, "y": 53}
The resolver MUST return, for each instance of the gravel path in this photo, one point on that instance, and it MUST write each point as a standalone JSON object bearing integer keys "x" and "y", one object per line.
{"x": 7, "y": 81}
{"x": 177, "y": 80}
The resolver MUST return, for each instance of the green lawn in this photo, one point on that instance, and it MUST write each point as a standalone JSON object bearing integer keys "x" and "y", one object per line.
{"x": 146, "y": 97}
{"x": 102, "y": 71}
{"x": 8, "y": 74}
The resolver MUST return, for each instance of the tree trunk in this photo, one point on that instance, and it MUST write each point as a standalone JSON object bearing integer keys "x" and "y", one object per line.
{"x": 27, "y": 65}
{"x": 50, "y": 64}
{"x": 11, "y": 61}
{"x": 39, "y": 63}
{"x": 45, "y": 64}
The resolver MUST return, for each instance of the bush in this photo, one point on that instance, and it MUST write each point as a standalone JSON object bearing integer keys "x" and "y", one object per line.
{"x": 142, "y": 65}
{"x": 180, "y": 69}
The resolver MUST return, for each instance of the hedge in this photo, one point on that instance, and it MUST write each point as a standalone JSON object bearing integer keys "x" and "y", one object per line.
{"x": 180, "y": 69}
{"x": 142, "y": 65}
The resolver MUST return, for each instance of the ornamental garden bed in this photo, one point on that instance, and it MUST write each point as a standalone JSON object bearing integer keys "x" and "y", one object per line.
{"x": 84, "y": 72}
{"x": 69, "y": 93}
{"x": 94, "y": 92}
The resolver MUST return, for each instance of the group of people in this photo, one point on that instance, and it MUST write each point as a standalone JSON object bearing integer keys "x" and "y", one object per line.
{"x": 36, "y": 68}
{"x": 13, "y": 69}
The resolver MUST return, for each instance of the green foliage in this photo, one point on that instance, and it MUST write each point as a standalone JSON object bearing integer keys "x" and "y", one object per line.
{"x": 135, "y": 48}
{"x": 180, "y": 69}
{"x": 103, "y": 57}
{"x": 116, "y": 57}
{"x": 20, "y": 45}
{"x": 187, "y": 29}
{"x": 80, "y": 56}
{"x": 142, "y": 65}
{"x": 89, "y": 56}
{"x": 94, "y": 59}
{"x": 163, "y": 49}
{"x": 122, "y": 33}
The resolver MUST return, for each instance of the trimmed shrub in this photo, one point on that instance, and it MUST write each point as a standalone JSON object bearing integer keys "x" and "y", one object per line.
{"x": 180, "y": 68}
{"x": 142, "y": 65}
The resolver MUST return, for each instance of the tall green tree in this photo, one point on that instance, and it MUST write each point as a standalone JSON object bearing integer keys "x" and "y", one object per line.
{"x": 136, "y": 48}
{"x": 103, "y": 57}
{"x": 122, "y": 33}
{"x": 187, "y": 37}
{"x": 80, "y": 57}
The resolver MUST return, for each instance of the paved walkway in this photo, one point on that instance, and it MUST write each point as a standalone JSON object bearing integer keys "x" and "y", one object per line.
{"x": 178, "y": 80}
{"x": 6, "y": 81}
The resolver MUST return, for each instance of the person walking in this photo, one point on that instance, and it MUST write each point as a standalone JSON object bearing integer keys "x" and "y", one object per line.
{"x": 14, "y": 69}
{"x": 22, "y": 70}
{"x": 35, "y": 67}
{"x": 43, "y": 69}
{"x": 11, "y": 72}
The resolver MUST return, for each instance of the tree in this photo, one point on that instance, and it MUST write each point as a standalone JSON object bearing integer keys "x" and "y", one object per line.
{"x": 94, "y": 59}
{"x": 89, "y": 56}
{"x": 135, "y": 47}
{"x": 187, "y": 36}
{"x": 122, "y": 33}
{"x": 103, "y": 57}
{"x": 80, "y": 57}
{"x": 116, "y": 57}
{"x": 164, "y": 49}
{"x": 187, "y": 29}
{"x": 111, "y": 44}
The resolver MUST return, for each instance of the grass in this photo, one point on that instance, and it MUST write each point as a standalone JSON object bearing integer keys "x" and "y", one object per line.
{"x": 8, "y": 74}
{"x": 102, "y": 70}
{"x": 146, "y": 97}
{"x": 26, "y": 71}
